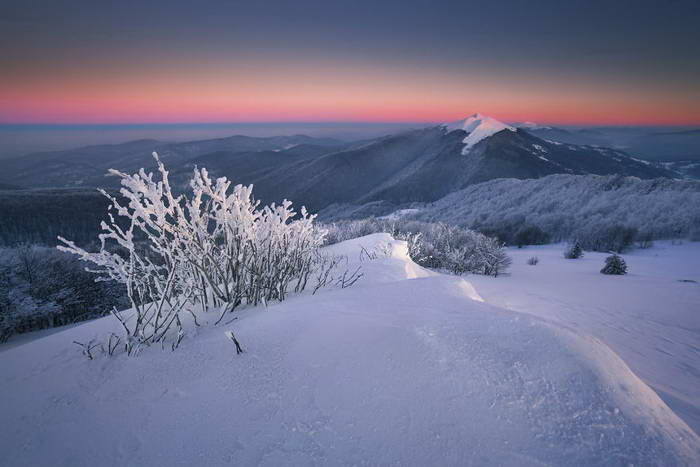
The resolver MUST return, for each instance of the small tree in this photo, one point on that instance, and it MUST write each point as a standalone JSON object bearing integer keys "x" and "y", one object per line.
{"x": 614, "y": 265}
{"x": 533, "y": 260}
{"x": 573, "y": 250}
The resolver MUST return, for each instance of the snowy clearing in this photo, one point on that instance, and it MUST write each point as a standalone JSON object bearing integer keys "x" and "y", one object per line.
{"x": 649, "y": 317}
{"x": 407, "y": 367}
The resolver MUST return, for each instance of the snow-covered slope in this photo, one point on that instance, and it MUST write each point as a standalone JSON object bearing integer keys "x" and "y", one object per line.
{"x": 478, "y": 127}
{"x": 407, "y": 367}
{"x": 650, "y": 317}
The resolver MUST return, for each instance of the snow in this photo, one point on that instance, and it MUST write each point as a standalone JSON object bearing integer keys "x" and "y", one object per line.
{"x": 648, "y": 317}
{"x": 641, "y": 161}
{"x": 407, "y": 367}
{"x": 398, "y": 214}
{"x": 478, "y": 128}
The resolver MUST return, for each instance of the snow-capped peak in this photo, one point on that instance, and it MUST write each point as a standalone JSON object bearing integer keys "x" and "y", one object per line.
{"x": 478, "y": 127}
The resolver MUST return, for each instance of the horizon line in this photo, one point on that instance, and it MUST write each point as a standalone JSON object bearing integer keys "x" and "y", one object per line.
{"x": 316, "y": 122}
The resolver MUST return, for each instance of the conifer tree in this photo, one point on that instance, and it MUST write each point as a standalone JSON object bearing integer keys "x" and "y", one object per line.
{"x": 614, "y": 265}
{"x": 574, "y": 250}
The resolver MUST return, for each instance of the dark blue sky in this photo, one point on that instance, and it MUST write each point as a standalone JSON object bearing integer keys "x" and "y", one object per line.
{"x": 565, "y": 61}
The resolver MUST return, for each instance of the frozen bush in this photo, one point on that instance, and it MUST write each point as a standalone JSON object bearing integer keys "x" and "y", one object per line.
{"x": 214, "y": 248}
{"x": 573, "y": 250}
{"x": 533, "y": 261}
{"x": 614, "y": 265}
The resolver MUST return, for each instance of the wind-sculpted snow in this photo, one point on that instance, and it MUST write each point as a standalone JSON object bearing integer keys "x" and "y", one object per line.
{"x": 649, "y": 317}
{"x": 405, "y": 368}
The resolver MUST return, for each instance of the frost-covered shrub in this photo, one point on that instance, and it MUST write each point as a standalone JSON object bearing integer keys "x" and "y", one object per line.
{"x": 573, "y": 250}
{"x": 614, "y": 265}
{"x": 346, "y": 230}
{"x": 533, "y": 261}
{"x": 214, "y": 248}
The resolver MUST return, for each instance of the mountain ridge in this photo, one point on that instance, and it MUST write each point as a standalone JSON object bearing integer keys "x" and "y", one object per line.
{"x": 420, "y": 165}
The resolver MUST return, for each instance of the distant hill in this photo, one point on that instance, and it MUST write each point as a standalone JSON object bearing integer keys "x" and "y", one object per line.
{"x": 416, "y": 166}
{"x": 653, "y": 144}
{"x": 39, "y": 216}
{"x": 87, "y": 166}
{"x": 565, "y": 204}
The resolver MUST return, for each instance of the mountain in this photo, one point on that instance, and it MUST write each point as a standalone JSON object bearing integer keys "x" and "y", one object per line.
{"x": 582, "y": 136}
{"x": 653, "y": 144}
{"x": 420, "y": 165}
{"x": 689, "y": 168}
{"x": 427, "y": 164}
{"x": 672, "y": 146}
{"x": 477, "y": 127}
{"x": 87, "y": 166}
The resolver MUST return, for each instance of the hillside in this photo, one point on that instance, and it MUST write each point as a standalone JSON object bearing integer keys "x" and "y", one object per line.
{"x": 428, "y": 164}
{"x": 565, "y": 204}
{"x": 87, "y": 166}
{"x": 406, "y": 367}
{"x": 648, "y": 317}
{"x": 39, "y": 216}
{"x": 650, "y": 143}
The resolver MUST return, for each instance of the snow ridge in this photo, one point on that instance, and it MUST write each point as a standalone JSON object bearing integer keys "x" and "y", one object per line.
{"x": 478, "y": 127}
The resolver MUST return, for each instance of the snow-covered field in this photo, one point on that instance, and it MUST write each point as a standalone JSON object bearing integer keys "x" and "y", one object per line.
{"x": 650, "y": 317}
{"x": 407, "y": 367}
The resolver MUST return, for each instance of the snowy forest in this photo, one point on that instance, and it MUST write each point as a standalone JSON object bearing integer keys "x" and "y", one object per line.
{"x": 563, "y": 207}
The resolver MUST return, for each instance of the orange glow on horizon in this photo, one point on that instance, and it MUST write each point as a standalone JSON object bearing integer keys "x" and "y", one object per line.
{"x": 338, "y": 92}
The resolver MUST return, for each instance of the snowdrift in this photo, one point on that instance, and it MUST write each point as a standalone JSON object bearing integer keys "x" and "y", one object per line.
{"x": 406, "y": 367}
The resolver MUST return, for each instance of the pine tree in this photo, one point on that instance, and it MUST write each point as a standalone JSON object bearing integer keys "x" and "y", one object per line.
{"x": 573, "y": 251}
{"x": 614, "y": 265}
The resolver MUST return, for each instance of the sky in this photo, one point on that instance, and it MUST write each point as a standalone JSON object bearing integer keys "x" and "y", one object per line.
{"x": 566, "y": 62}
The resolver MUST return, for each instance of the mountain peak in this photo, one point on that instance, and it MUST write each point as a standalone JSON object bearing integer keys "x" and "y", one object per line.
{"x": 478, "y": 127}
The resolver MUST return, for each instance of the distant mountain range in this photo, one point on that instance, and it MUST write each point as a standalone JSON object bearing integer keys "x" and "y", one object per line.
{"x": 420, "y": 165}
{"x": 655, "y": 144}
{"x": 87, "y": 166}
